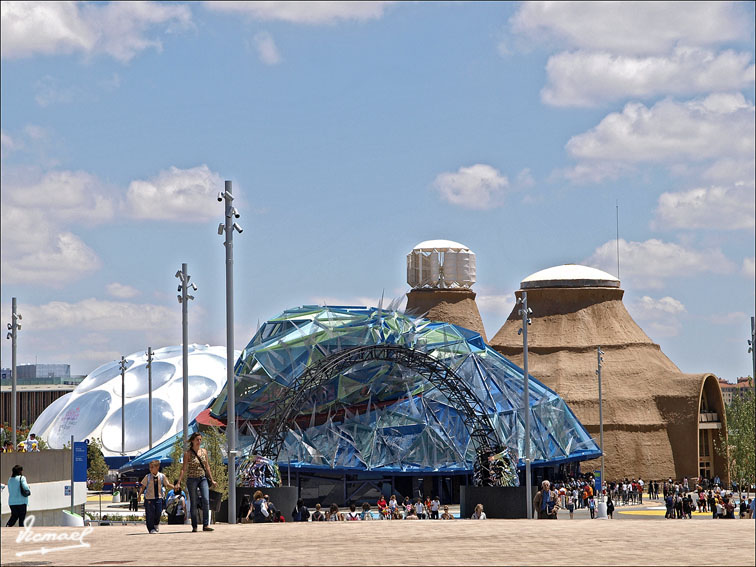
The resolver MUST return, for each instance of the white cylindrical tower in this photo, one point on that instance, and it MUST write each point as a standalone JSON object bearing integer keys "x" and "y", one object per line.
{"x": 441, "y": 264}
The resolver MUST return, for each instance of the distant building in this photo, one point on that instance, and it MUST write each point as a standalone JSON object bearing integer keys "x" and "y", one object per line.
{"x": 37, "y": 387}
{"x": 730, "y": 390}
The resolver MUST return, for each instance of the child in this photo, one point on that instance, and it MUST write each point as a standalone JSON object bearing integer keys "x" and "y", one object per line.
{"x": 153, "y": 486}
{"x": 592, "y": 507}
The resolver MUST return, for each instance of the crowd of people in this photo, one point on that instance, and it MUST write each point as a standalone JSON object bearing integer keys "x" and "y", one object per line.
{"x": 28, "y": 445}
{"x": 261, "y": 509}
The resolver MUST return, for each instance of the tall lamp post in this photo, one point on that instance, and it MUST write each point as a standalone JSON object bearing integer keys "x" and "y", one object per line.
{"x": 602, "y": 504}
{"x": 14, "y": 328}
{"x": 122, "y": 366}
{"x": 149, "y": 387}
{"x": 183, "y": 299}
{"x": 228, "y": 227}
{"x": 525, "y": 312}
{"x": 751, "y": 349}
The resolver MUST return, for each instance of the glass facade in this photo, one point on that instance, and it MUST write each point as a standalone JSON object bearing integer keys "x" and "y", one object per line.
{"x": 382, "y": 417}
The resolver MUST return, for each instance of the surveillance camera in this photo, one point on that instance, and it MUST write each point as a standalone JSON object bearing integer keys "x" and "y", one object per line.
{"x": 18, "y": 316}
{"x": 220, "y": 196}
{"x": 238, "y": 228}
{"x": 193, "y": 286}
{"x": 190, "y": 297}
{"x": 179, "y": 298}
{"x": 220, "y": 228}
{"x": 178, "y": 274}
{"x": 179, "y": 288}
{"x": 18, "y": 327}
{"x": 235, "y": 212}
{"x": 10, "y": 327}
{"x": 8, "y": 336}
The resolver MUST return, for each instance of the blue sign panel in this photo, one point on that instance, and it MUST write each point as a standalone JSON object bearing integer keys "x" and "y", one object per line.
{"x": 599, "y": 480}
{"x": 67, "y": 490}
{"x": 80, "y": 461}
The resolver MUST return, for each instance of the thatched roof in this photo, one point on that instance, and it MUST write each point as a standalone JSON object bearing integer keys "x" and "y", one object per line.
{"x": 456, "y": 306}
{"x": 650, "y": 407}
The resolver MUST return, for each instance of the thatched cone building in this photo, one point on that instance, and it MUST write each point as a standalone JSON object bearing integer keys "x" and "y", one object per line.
{"x": 658, "y": 421}
{"x": 441, "y": 273}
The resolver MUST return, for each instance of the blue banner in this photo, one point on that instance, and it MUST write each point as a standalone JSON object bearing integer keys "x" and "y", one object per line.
{"x": 597, "y": 476}
{"x": 80, "y": 461}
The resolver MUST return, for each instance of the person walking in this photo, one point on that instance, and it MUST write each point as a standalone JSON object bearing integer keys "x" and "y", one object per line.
{"x": 153, "y": 486}
{"x": 198, "y": 476}
{"x": 18, "y": 496}
{"x": 545, "y": 502}
{"x": 609, "y": 507}
{"x": 434, "y": 508}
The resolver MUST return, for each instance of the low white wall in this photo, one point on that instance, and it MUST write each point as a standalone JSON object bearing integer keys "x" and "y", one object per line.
{"x": 46, "y": 497}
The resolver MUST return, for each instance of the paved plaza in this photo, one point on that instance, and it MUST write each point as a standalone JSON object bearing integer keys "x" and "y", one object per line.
{"x": 461, "y": 542}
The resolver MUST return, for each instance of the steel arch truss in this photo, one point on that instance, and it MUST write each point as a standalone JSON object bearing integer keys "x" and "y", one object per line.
{"x": 276, "y": 423}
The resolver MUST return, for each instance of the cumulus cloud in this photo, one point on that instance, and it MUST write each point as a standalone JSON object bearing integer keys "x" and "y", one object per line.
{"x": 267, "y": 50}
{"x": 590, "y": 78}
{"x": 175, "y": 194}
{"x": 636, "y": 28}
{"x": 121, "y": 291}
{"x": 648, "y": 264}
{"x": 724, "y": 208}
{"x": 312, "y": 13}
{"x": 99, "y": 315}
{"x": 659, "y": 316}
{"x": 118, "y": 29}
{"x": 478, "y": 186}
{"x": 720, "y": 125}
{"x": 33, "y": 251}
{"x": 748, "y": 268}
{"x": 65, "y": 196}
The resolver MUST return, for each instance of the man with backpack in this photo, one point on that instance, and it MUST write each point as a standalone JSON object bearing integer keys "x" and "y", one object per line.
{"x": 300, "y": 512}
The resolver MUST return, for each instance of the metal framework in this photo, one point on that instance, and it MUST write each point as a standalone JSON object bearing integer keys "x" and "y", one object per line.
{"x": 277, "y": 422}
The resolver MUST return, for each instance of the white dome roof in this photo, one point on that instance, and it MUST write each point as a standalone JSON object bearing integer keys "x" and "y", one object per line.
{"x": 440, "y": 245}
{"x": 570, "y": 275}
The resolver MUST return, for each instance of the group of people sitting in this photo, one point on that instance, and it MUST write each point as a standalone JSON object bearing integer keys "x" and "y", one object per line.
{"x": 261, "y": 509}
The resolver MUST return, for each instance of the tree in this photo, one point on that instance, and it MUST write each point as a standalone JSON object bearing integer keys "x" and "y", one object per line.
{"x": 215, "y": 441}
{"x": 741, "y": 438}
{"x": 97, "y": 467}
{"x": 173, "y": 470}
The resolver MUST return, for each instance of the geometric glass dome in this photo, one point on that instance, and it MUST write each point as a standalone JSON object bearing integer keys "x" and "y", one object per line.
{"x": 381, "y": 416}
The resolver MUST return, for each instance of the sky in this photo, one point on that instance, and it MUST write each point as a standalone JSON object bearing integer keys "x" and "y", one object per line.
{"x": 351, "y": 131}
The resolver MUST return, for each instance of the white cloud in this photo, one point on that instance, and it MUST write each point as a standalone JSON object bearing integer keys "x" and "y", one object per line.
{"x": 98, "y": 315}
{"x": 64, "y": 196}
{"x": 589, "y": 78}
{"x": 724, "y": 208}
{"x": 720, "y": 125}
{"x": 647, "y": 264}
{"x": 496, "y": 304}
{"x": 185, "y": 195}
{"x": 748, "y": 268}
{"x": 728, "y": 318}
{"x": 660, "y": 316}
{"x": 121, "y": 291}
{"x": 118, "y": 29}
{"x": 304, "y": 12}
{"x": 478, "y": 186}
{"x": 648, "y": 307}
{"x": 266, "y": 49}
{"x": 633, "y": 27}
{"x": 33, "y": 251}
{"x": 7, "y": 143}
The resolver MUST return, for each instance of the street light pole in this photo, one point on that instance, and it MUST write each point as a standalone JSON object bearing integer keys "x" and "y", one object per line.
{"x": 599, "y": 354}
{"x": 149, "y": 386}
{"x": 14, "y": 327}
{"x": 751, "y": 349}
{"x": 228, "y": 227}
{"x": 183, "y": 299}
{"x": 122, "y": 366}
{"x": 525, "y": 313}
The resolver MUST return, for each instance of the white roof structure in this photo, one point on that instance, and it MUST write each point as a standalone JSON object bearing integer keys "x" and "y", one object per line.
{"x": 569, "y": 275}
{"x": 441, "y": 264}
{"x": 93, "y": 409}
{"x": 440, "y": 246}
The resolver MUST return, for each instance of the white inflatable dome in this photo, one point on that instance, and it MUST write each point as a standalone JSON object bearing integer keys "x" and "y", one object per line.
{"x": 93, "y": 409}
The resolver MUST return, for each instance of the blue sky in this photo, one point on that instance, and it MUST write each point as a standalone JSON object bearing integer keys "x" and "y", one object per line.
{"x": 353, "y": 131}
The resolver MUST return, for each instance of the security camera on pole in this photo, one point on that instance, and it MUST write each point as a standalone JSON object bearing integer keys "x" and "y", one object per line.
{"x": 14, "y": 328}
{"x": 525, "y": 312}
{"x": 183, "y": 299}
{"x": 228, "y": 227}
{"x": 601, "y": 509}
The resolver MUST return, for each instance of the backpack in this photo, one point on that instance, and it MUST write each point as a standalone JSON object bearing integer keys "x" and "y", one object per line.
{"x": 353, "y": 516}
